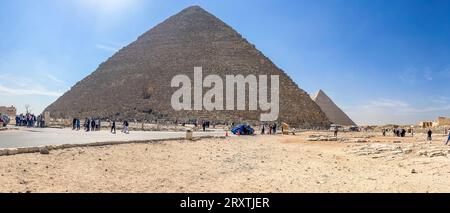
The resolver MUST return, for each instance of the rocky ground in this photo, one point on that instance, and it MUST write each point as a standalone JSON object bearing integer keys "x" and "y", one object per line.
{"x": 307, "y": 162}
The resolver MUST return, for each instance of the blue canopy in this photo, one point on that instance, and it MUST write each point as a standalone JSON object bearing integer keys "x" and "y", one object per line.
{"x": 243, "y": 130}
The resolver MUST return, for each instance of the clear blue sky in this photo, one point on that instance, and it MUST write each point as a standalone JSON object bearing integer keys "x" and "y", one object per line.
{"x": 381, "y": 61}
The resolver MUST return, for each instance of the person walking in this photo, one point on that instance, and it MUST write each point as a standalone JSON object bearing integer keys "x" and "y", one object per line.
{"x": 125, "y": 127}
{"x": 86, "y": 124}
{"x": 262, "y": 129}
{"x": 113, "y": 126}
{"x": 429, "y": 133}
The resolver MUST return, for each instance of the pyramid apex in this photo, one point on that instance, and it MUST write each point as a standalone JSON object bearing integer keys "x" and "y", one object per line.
{"x": 194, "y": 8}
{"x": 321, "y": 91}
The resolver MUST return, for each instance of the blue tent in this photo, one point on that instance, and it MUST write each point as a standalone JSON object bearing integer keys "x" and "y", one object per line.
{"x": 243, "y": 130}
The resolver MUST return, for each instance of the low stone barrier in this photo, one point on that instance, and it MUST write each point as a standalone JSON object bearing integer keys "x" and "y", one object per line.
{"x": 15, "y": 151}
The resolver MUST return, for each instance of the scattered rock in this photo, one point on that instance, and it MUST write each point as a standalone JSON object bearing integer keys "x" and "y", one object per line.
{"x": 44, "y": 151}
{"x": 422, "y": 152}
{"x": 407, "y": 150}
{"x": 413, "y": 171}
{"x": 436, "y": 153}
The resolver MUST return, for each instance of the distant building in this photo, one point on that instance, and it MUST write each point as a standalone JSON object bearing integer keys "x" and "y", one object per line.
{"x": 442, "y": 121}
{"x": 426, "y": 124}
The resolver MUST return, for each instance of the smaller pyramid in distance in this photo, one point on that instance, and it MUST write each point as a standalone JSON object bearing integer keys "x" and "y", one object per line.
{"x": 333, "y": 112}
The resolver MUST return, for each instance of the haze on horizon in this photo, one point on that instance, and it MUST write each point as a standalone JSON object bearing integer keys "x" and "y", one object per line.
{"x": 382, "y": 62}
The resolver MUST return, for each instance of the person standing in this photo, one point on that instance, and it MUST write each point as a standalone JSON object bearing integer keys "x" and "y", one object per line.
{"x": 74, "y": 124}
{"x": 384, "y": 132}
{"x": 92, "y": 124}
{"x": 430, "y": 133}
{"x": 97, "y": 124}
{"x": 336, "y": 131}
{"x": 262, "y": 129}
{"x": 78, "y": 124}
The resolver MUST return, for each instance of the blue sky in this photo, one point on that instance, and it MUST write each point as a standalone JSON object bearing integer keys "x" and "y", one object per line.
{"x": 381, "y": 61}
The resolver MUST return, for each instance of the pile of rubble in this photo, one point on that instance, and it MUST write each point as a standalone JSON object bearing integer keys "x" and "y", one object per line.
{"x": 363, "y": 139}
{"x": 322, "y": 138}
{"x": 379, "y": 150}
{"x": 433, "y": 151}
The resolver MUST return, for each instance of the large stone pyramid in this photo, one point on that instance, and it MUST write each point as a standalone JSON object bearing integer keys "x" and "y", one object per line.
{"x": 333, "y": 112}
{"x": 135, "y": 82}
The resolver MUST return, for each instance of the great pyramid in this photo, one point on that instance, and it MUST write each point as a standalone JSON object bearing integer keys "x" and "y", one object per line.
{"x": 333, "y": 112}
{"x": 135, "y": 82}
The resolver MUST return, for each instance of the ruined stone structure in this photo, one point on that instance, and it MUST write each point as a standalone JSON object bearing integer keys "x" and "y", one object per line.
{"x": 443, "y": 121}
{"x": 426, "y": 124}
{"x": 333, "y": 112}
{"x": 10, "y": 111}
{"x": 135, "y": 82}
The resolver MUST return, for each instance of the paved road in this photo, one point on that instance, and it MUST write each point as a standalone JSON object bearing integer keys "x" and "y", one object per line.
{"x": 42, "y": 137}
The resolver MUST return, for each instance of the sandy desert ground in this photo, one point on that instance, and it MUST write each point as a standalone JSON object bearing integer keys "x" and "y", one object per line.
{"x": 307, "y": 162}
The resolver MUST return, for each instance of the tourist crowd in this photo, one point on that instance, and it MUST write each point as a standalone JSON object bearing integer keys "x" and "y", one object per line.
{"x": 30, "y": 120}
{"x": 95, "y": 124}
